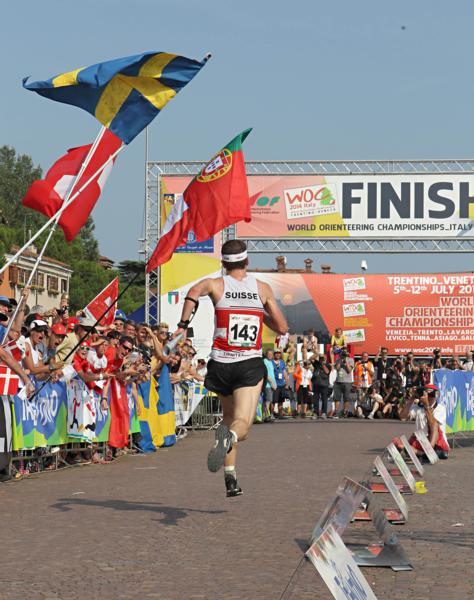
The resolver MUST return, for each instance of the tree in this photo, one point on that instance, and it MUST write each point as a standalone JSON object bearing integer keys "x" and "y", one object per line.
{"x": 88, "y": 280}
{"x": 17, "y": 173}
{"x": 89, "y": 243}
{"x": 130, "y": 268}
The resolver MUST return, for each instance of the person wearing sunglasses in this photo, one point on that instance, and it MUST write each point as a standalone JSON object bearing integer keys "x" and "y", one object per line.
{"x": 117, "y": 366}
{"x": 35, "y": 343}
{"x": 118, "y": 372}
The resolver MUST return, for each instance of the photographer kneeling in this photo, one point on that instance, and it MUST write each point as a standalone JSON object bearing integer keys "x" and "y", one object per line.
{"x": 430, "y": 417}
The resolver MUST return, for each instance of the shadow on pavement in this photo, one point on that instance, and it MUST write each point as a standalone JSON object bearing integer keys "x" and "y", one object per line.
{"x": 461, "y": 539}
{"x": 374, "y": 451}
{"x": 171, "y": 514}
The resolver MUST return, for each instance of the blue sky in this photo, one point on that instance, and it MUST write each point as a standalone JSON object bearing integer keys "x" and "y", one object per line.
{"x": 316, "y": 80}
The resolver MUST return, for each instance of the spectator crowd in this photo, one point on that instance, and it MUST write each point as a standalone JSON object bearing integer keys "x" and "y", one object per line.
{"x": 39, "y": 346}
{"x": 310, "y": 380}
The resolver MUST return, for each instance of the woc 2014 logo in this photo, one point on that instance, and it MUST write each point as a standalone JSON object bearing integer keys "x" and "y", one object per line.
{"x": 310, "y": 201}
{"x": 217, "y": 167}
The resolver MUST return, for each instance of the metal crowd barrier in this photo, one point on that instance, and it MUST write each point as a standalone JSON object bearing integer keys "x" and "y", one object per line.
{"x": 34, "y": 461}
{"x": 208, "y": 413}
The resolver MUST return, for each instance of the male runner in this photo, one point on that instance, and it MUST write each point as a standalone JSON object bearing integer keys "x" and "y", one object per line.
{"x": 236, "y": 370}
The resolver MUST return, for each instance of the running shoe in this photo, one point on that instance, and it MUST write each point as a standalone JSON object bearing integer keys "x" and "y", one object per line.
{"x": 232, "y": 486}
{"x": 222, "y": 446}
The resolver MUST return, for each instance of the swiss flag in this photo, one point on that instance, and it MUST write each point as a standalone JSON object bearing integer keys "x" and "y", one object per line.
{"x": 47, "y": 195}
{"x": 107, "y": 297}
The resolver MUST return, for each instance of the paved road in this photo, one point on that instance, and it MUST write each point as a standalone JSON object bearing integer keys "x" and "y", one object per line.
{"x": 160, "y": 527}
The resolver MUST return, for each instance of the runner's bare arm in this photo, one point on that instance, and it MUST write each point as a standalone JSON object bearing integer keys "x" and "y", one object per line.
{"x": 273, "y": 318}
{"x": 206, "y": 287}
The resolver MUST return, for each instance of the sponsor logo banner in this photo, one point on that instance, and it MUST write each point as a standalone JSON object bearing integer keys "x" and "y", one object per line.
{"x": 206, "y": 246}
{"x": 353, "y": 284}
{"x": 353, "y": 336}
{"x": 356, "y": 309}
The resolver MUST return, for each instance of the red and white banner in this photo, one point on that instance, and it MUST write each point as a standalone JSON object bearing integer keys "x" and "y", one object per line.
{"x": 106, "y": 298}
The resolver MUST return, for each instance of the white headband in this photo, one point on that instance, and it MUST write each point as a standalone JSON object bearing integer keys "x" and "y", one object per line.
{"x": 234, "y": 257}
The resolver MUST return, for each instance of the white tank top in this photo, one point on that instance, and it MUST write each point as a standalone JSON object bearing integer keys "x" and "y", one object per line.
{"x": 238, "y": 321}
{"x": 33, "y": 352}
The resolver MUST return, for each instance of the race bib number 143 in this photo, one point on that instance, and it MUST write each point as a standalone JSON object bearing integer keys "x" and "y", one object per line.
{"x": 243, "y": 330}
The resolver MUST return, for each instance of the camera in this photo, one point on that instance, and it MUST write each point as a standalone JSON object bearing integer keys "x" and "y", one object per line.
{"x": 343, "y": 354}
{"x": 419, "y": 392}
{"x": 145, "y": 353}
{"x": 436, "y": 351}
{"x": 63, "y": 310}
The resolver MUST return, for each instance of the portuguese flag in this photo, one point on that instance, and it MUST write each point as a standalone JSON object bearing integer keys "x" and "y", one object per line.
{"x": 217, "y": 197}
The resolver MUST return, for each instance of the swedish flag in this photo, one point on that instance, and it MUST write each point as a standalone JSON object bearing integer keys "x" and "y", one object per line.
{"x": 157, "y": 418}
{"x": 124, "y": 94}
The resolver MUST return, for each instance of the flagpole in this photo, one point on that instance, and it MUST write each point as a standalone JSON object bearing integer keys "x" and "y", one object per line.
{"x": 61, "y": 210}
{"x": 145, "y": 229}
{"x": 75, "y": 179}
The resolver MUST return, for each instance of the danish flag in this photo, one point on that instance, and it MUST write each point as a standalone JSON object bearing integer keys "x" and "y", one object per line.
{"x": 9, "y": 381}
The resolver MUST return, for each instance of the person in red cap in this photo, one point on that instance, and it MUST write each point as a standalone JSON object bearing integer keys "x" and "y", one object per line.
{"x": 71, "y": 323}
{"x": 430, "y": 417}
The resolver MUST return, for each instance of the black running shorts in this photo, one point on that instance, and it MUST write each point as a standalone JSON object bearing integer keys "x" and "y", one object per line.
{"x": 224, "y": 378}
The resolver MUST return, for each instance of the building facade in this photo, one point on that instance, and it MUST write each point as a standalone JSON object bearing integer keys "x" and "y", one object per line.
{"x": 51, "y": 280}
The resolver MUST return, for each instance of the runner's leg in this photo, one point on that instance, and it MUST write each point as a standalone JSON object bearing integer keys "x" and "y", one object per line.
{"x": 227, "y": 403}
{"x": 244, "y": 405}
{"x": 240, "y": 415}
